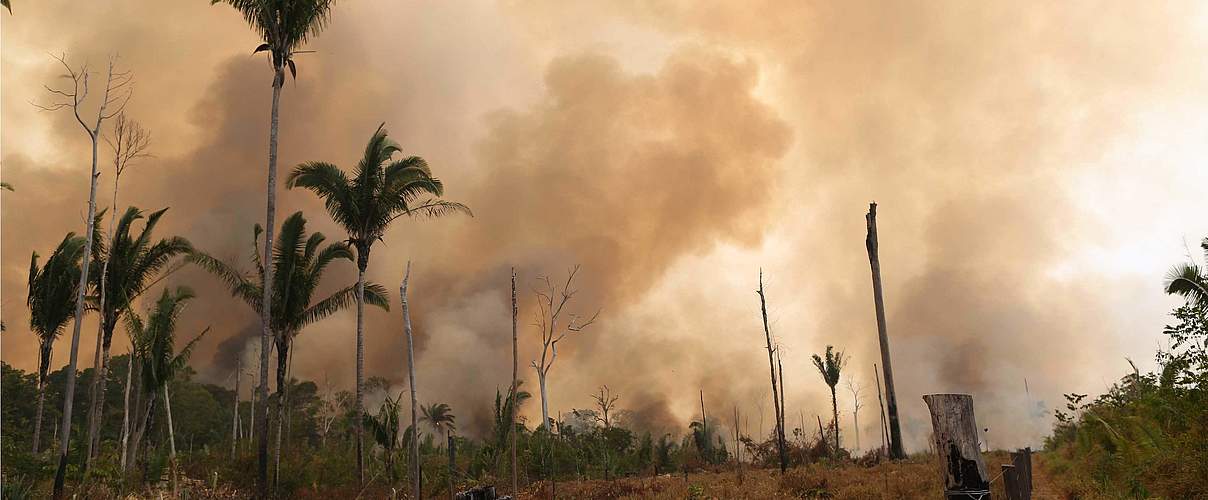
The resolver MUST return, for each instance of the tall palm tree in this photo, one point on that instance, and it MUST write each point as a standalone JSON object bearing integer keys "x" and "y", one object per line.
{"x": 1190, "y": 280}
{"x": 380, "y": 190}
{"x": 155, "y": 343}
{"x": 52, "y": 299}
{"x": 829, "y": 368}
{"x": 284, "y": 26}
{"x": 440, "y": 417}
{"x": 299, "y": 262}
{"x": 131, "y": 264}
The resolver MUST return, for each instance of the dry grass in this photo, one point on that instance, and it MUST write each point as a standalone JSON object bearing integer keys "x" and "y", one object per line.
{"x": 915, "y": 478}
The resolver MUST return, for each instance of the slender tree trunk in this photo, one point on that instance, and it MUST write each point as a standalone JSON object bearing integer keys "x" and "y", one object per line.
{"x": 415, "y": 471}
{"x": 835, "y": 410}
{"x": 69, "y": 390}
{"x": 784, "y": 412}
{"x": 881, "y": 403}
{"x": 763, "y": 307}
{"x": 282, "y": 357}
{"x": 704, "y": 426}
{"x": 43, "y": 366}
{"x": 136, "y": 406}
{"x": 235, "y": 413}
{"x": 267, "y": 300}
{"x": 126, "y": 407}
{"x": 171, "y": 441}
{"x": 544, "y": 401}
{"x": 515, "y": 388}
{"x": 94, "y": 384}
{"x": 141, "y": 429}
{"x": 362, "y": 263}
{"x": 104, "y": 340}
{"x": 855, "y": 417}
{"x": 171, "y": 431}
{"x": 449, "y": 442}
{"x": 891, "y": 400}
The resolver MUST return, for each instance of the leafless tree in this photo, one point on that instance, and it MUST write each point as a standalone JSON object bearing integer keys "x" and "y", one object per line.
{"x": 129, "y": 143}
{"x": 855, "y": 389}
{"x": 606, "y": 401}
{"x": 74, "y": 96}
{"x": 767, "y": 332}
{"x": 551, "y": 305}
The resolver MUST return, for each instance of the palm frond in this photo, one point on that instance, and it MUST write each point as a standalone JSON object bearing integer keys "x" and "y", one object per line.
{"x": 1188, "y": 281}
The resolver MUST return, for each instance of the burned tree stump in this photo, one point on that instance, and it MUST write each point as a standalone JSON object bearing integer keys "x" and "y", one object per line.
{"x": 962, "y": 470}
{"x": 1021, "y": 463}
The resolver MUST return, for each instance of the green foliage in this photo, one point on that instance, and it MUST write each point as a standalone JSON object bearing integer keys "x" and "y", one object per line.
{"x": 1146, "y": 436}
{"x": 52, "y": 294}
{"x": 380, "y": 190}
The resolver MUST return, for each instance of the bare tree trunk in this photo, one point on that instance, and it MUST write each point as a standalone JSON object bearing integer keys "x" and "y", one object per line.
{"x": 449, "y": 441}
{"x": 126, "y": 407}
{"x": 136, "y": 418}
{"x": 171, "y": 440}
{"x": 855, "y": 416}
{"x": 282, "y": 358}
{"x": 267, "y": 299}
{"x": 772, "y": 368}
{"x": 784, "y": 412}
{"x": 895, "y": 431}
{"x": 704, "y": 426}
{"x": 884, "y": 425}
{"x": 358, "y": 425}
{"x": 235, "y": 413}
{"x": 835, "y": 410}
{"x": 962, "y": 469}
{"x": 94, "y": 384}
{"x": 544, "y": 401}
{"x": 411, "y": 379}
{"x": 104, "y": 340}
{"x": 43, "y": 366}
{"x": 515, "y": 389}
{"x": 69, "y": 390}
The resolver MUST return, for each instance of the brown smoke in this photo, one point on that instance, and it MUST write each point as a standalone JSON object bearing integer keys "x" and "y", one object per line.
{"x": 671, "y": 149}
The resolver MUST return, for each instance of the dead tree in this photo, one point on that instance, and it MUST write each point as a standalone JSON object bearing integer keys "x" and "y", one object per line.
{"x": 891, "y": 400}
{"x": 962, "y": 471}
{"x": 881, "y": 402}
{"x": 129, "y": 143}
{"x": 767, "y": 333}
{"x": 515, "y": 383}
{"x": 855, "y": 390}
{"x": 551, "y": 304}
{"x": 415, "y": 471}
{"x": 606, "y": 401}
{"x": 112, "y": 100}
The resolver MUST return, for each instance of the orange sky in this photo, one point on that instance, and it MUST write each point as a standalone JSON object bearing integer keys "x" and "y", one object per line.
{"x": 1038, "y": 169}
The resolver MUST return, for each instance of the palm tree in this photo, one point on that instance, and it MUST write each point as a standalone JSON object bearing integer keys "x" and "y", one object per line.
{"x": 130, "y": 264}
{"x": 1190, "y": 280}
{"x": 440, "y": 417}
{"x": 829, "y": 368}
{"x": 299, "y": 261}
{"x": 284, "y": 26}
{"x": 385, "y": 430}
{"x": 380, "y": 191}
{"x": 52, "y": 299}
{"x": 155, "y": 343}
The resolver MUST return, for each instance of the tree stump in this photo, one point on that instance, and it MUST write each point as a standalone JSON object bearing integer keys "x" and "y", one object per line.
{"x": 962, "y": 470}
{"x": 1021, "y": 462}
